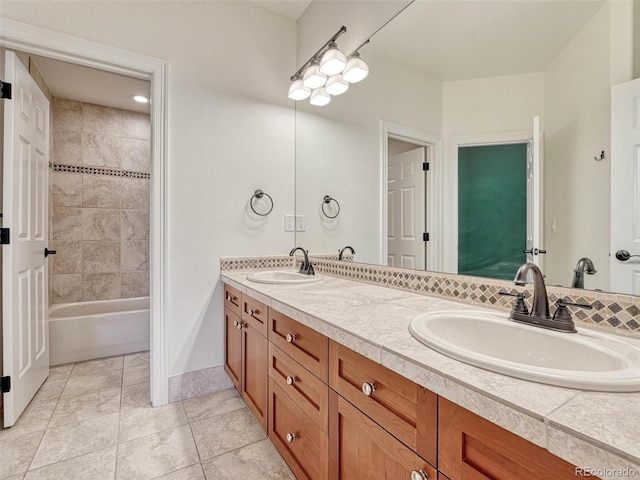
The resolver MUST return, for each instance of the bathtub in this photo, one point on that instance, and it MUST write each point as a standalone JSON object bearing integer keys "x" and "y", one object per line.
{"x": 87, "y": 330}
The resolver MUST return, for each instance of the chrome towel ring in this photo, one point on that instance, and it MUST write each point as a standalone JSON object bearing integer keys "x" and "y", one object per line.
{"x": 327, "y": 201}
{"x": 259, "y": 194}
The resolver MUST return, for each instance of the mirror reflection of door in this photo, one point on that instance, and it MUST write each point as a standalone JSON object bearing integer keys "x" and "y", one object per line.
{"x": 492, "y": 209}
{"x": 406, "y": 209}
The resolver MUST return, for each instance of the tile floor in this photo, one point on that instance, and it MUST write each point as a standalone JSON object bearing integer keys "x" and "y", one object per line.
{"x": 92, "y": 420}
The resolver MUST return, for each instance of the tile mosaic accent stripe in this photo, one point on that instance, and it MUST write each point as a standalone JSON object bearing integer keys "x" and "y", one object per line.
{"x": 110, "y": 172}
{"x": 261, "y": 263}
{"x": 611, "y": 311}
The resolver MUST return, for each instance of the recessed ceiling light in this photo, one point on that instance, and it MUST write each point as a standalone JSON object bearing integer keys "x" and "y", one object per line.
{"x": 140, "y": 98}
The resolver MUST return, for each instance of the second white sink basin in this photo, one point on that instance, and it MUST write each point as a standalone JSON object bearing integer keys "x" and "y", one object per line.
{"x": 282, "y": 276}
{"x": 587, "y": 360}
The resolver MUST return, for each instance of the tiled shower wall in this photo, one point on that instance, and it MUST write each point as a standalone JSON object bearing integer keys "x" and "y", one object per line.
{"x": 99, "y": 197}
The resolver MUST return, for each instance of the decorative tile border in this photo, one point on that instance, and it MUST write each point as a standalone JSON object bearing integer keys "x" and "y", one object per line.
{"x": 110, "y": 172}
{"x": 284, "y": 261}
{"x": 620, "y": 312}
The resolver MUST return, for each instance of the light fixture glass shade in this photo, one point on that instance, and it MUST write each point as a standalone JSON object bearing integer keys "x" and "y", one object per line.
{"x": 333, "y": 61}
{"x": 336, "y": 85}
{"x": 313, "y": 78}
{"x": 319, "y": 97}
{"x": 356, "y": 69}
{"x": 297, "y": 91}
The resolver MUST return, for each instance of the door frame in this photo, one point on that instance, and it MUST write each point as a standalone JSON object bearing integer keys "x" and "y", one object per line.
{"x": 47, "y": 43}
{"x": 484, "y": 140}
{"x": 433, "y": 144}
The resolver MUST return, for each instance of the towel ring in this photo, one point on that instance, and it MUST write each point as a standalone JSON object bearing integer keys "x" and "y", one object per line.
{"x": 259, "y": 194}
{"x": 327, "y": 200}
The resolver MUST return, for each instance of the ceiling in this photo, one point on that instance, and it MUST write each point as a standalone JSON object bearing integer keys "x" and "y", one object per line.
{"x": 90, "y": 85}
{"x": 456, "y": 40}
{"x": 292, "y": 9}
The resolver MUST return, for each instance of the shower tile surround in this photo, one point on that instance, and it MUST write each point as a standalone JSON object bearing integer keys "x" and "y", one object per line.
{"x": 617, "y": 312}
{"x": 99, "y": 203}
{"x": 593, "y": 429}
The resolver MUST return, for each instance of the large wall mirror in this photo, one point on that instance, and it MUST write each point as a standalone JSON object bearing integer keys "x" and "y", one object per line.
{"x": 509, "y": 104}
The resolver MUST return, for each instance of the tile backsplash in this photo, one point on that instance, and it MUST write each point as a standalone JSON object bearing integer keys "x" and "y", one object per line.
{"x": 612, "y": 311}
{"x": 99, "y": 202}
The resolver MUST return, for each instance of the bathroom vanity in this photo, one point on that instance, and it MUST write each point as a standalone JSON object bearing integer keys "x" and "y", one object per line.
{"x": 357, "y": 397}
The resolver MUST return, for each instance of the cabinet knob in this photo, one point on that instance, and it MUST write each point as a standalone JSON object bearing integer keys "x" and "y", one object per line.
{"x": 229, "y": 298}
{"x": 291, "y": 380}
{"x": 291, "y": 337}
{"x": 236, "y": 323}
{"x": 253, "y": 312}
{"x": 239, "y": 325}
{"x": 368, "y": 388}
{"x": 419, "y": 475}
{"x": 291, "y": 437}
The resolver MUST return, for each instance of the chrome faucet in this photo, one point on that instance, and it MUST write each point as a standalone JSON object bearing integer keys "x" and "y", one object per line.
{"x": 306, "y": 267}
{"x": 341, "y": 251}
{"x": 584, "y": 265}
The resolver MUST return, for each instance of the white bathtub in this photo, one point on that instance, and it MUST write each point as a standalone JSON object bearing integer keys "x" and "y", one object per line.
{"x": 86, "y": 330}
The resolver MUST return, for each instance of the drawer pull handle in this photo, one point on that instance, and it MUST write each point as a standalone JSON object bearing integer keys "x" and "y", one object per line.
{"x": 291, "y": 380}
{"x": 368, "y": 389}
{"x": 419, "y": 475}
{"x": 291, "y": 437}
{"x": 236, "y": 323}
{"x": 253, "y": 312}
{"x": 291, "y": 337}
{"x": 230, "y": 298}
{"x": 239, "y": 325}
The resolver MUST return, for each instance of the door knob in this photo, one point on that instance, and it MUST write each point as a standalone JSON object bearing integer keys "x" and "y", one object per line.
{"x": 623, "y": 255}
{"x": 48, "y": 252}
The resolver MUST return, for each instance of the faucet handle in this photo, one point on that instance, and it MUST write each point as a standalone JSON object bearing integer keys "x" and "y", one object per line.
{"x": 562, "y": 313}
{"x": 518, "y": 306}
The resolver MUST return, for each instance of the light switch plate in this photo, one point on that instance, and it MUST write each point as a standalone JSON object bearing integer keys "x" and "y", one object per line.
{"x": 289, "y": 223}
{"x": 301, "y": 223}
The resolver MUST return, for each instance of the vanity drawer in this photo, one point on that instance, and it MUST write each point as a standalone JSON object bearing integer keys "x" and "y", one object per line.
{"x": 304, "y": 388}
{"x": 232, "y": 299}
{"x": 403, "y": 408}
{"x": 302, "y": 444}
{"x": 255, "y": 313}
{"x": 304, "y": 345}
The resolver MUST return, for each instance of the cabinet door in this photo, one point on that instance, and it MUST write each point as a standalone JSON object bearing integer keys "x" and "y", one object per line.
{"x": 361, "y": 449}
{"x": 255, "y": 353}
{"x": 233, "y": 347}
{"x": 472, "y": 448}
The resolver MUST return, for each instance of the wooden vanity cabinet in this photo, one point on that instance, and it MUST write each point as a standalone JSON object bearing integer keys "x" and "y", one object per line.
{"x": 472, "y": 448}
{"x": 246, "y": 352}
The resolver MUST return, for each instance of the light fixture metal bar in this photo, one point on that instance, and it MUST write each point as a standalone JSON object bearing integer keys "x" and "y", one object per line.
{"x": 361, "y": 45}
{"x": 342, "y": 30}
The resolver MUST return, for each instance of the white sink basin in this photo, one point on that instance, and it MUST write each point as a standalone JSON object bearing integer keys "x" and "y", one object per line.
{"x": 282, "y": 276}
{"x": 586, "y": 360}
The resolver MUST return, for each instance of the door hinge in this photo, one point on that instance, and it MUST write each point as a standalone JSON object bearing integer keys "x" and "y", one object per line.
{"x": 425, "y": 166}
{"x": 4, "y": 236}
{"x": 425, "y": 237}
{"x": 5, "y": 384}
{"x": 5, "y": 90}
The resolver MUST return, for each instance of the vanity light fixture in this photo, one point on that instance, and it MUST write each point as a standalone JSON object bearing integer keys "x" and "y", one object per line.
{"x": 140, "y": 98}
{"x": 336, "y": 85}
{"x": 356, "y": 69}
{"x": 298, "y": 91}
{"x": 313, "y": 77}
{"x": 319, "y": 97}
{"x": 333, "y": 60}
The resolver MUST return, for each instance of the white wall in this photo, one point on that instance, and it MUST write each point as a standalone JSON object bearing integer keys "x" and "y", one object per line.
{"x": 495, "y": 105}
{"x": 228, "y": 135}
{"x": 338, "y": 154}
{"x": 577, "y": 128}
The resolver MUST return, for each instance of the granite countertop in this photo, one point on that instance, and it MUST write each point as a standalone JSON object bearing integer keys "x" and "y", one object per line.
{"x": 589, "y": 429}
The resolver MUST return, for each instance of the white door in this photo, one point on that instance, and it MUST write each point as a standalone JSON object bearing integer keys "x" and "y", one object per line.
{"x": 25, "y": 296}
{"x": 406, "y": 210}
{"x": 534, "y": 250}
{"x": 625, "y": 186}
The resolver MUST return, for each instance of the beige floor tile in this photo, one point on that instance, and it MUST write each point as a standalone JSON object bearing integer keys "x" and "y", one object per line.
{"x": 139, "y": 359}
{"x": 140, "y": 422}
{"x": 68, "y": 441}
{"x": 82, "y": 407}
{"x": 98, "y": 366}
{"x": 200, "y": 408}
{"x": 135, "y": 396}
{"x": 14, "y": 477}
{"x": 50, "y": 390}
{"x": 223, "y": 433}
{"x": 156, "y": 455}
{"x": 16, "y": 453}
{"x": 35, "y": 418}
{"x": 100, "y": 465}
{"x": 258, "y": 460}
{"x": 92, "y": 383}
{"x": 194, "y": 472}
{"x": 60, "y": 372}
{"x": 135, "y": 375}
